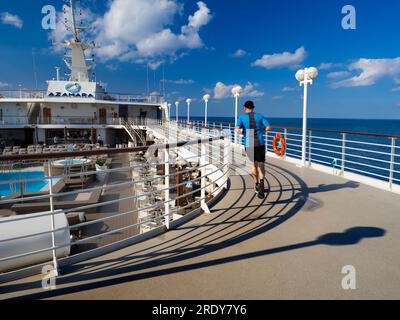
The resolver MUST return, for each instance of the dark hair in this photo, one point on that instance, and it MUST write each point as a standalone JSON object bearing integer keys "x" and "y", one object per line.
{"x": 249, "y": 105}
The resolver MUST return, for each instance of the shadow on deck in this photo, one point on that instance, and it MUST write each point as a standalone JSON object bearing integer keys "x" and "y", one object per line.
{"x": 208, "y": 241}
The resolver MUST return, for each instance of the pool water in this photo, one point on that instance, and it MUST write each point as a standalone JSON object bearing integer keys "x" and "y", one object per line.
{"x": 32, "y": 186}
{"x": 72, "y": 162}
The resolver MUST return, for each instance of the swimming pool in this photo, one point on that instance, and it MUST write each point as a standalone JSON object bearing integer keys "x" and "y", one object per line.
{"x": 72, "y": 162}
{"x": 32, "y": 186}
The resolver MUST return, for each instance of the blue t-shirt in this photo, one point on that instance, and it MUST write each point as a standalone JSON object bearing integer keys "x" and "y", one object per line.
{"x": 253, "y": 126}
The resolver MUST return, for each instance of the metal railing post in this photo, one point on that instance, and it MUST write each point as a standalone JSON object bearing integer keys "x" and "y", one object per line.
{"x": 203, "y": 163}
{"x": 227, "y": 157}
{"x": 53, "y": 227}
{"x": 167, "y": 187}
{"x": 392, "y": 155}
{"x": 344, "y": 137}
{"x": 309, "y": 148}
{"x": 285, "y": 137}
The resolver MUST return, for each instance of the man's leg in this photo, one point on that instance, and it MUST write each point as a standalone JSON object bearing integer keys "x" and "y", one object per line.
{"x": 255, "y": 172}
{"x": 261, "y": 171}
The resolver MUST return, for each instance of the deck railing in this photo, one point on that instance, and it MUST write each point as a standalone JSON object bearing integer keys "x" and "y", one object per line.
{"x": 155, "y": 192}
{"x": 153, "y": 188}
{"x": 115, "y": 97}
{"x": 126, "y": 97}
{"x": 23, "y": 94}
{"x": 371, "y": 158}
{"x": 68, "y": 120}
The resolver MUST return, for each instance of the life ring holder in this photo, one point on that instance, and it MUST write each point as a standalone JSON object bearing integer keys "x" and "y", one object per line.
{"x": 279, "y": 145}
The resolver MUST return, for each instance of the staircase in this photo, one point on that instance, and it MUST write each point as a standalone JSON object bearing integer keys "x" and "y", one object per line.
{"x": 33, "y": 113}
{"x": 137, "y": 135}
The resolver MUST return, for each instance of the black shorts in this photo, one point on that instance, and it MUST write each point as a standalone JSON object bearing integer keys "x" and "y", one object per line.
{"x": 256, "y": 154}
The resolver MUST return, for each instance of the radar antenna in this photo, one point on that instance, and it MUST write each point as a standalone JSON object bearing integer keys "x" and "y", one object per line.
{"x": 77, "y": 61}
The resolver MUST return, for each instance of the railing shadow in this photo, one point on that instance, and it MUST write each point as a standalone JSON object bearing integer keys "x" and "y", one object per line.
{"x": 219, "y": 232}
{"x": 333, "y": 187}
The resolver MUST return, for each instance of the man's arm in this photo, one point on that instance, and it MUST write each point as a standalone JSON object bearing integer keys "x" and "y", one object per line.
{"x": 266, "y": 125}
{"x": 239, "y": 125}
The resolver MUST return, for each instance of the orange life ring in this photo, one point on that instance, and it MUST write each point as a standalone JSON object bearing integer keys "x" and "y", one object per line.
{"x": 279, "y": 145}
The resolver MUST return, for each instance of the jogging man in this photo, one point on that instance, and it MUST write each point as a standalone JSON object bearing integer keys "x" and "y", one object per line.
{"x": 253, "y": 126}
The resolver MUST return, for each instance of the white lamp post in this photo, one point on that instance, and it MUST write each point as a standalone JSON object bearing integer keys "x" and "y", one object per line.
{"x": 177, "y": 111}
{"x": 162, "y": 112}
{"x": 169, "y": 112}
{"x": 206, "y": 98}
{"x": 236, "y": 91}
{"x": 164, "y": 107}
{"x": 188, "y": 101}
{"x": 305, "y": 77}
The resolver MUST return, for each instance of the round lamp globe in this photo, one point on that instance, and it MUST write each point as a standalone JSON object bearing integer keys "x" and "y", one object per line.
{"x": 312, "y": 73}
{"x": 300, "y": 76}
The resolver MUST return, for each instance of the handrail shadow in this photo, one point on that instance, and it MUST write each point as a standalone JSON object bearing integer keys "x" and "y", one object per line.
{"x": 184, "y": 249}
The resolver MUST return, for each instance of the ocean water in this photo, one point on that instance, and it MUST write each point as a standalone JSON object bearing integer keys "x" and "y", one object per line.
{"x": 386, "y": 127}
{"x": 31, "y": 186}
{"x": 366, "y": 155}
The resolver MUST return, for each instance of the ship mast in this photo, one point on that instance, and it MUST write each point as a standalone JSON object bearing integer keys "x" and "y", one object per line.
{"x": 77, "y": 62}
{"x": 74, "y": 30}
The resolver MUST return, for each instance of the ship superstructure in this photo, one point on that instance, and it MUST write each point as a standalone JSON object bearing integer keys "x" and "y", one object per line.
{"x": 76, "y": 109}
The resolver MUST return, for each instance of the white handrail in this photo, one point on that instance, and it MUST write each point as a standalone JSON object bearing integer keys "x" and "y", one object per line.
{"x": 216, "y": 173}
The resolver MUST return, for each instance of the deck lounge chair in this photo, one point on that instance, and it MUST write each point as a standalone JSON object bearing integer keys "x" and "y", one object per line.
{"x": 83, "y": 199}
{"x": 75, "y": 218}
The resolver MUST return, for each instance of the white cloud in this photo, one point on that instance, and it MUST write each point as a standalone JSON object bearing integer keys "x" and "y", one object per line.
{"x": 3, "y": 84}
{"x": 282, "y": 60}
{"x": 201, "y": 17}
{"x": 223, "y": 91}
{"x": 325, "y": 66}
{"x": 180, "y": 81}
{"x": 329, "y": 65}
{"x": 239, "y": 53}
{"x": 338, "y": 74}
{"x": 372, "y": 70}
{"x": 112, "y": 67}
{"x": 289, "y": 89}
{"x": 140, "y": 31}
{"x": 60, "y": 34}
{"x": 277, "y": 97}
{"x": 155, "y": 65}
{"x": 250, "y": 91}
{"x": 11, "y": 19}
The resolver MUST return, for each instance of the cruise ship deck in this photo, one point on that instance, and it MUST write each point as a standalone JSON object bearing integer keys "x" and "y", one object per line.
{"x": 293, "y": 245}
{"x": 117, "y": 196}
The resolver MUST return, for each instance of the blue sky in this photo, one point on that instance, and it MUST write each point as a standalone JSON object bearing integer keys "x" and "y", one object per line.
{"x": 197, "y": 42}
